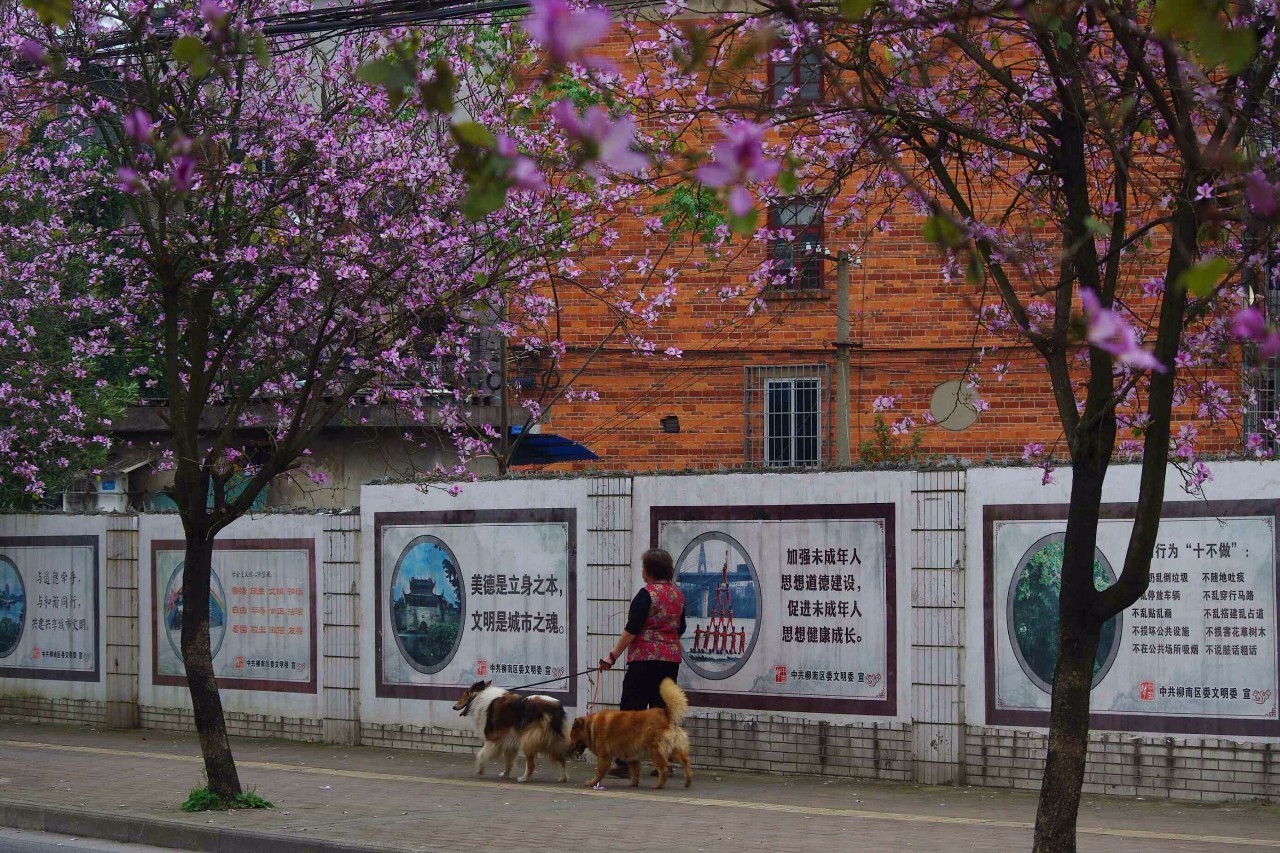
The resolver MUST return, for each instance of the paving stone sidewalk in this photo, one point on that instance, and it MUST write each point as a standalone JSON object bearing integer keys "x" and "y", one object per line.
{"x": 127, "y": 786}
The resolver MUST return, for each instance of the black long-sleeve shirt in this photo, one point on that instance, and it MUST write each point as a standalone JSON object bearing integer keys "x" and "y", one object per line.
{"x": 638, "y": 613}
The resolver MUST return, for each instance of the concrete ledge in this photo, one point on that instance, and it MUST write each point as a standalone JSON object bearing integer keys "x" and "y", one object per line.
{"x": 163, "y": 832}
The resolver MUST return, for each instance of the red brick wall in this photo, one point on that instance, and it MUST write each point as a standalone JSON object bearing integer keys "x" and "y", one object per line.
{"x": 915, "y": 331}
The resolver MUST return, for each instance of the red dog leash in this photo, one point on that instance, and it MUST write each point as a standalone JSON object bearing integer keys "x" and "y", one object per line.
{"x": 595, "y": 692}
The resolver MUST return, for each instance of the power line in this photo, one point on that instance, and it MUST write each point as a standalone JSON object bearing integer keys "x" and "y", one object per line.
{"x": 344, "y": 20}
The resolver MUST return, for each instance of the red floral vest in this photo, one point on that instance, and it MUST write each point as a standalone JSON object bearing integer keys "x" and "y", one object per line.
{"x": 660, "y": 637}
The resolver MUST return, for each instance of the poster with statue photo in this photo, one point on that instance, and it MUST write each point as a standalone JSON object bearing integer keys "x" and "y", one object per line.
{"x": 468, "y": 595}
{"x": 1197, "y": 654}
{"x": 790, "y": 607}
{"x": 262, "y": 622}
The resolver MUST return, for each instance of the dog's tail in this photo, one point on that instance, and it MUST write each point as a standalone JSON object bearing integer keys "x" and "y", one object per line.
{"x": 545, "y": 713}
{"x": 559, "y": 723}
{"x": 677, "y": 703}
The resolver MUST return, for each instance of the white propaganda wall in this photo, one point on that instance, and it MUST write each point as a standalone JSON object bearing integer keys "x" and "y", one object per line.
{"x": 1197, "y": 654}
{"x": 479, "y": 586}
{"x": 262, "y": 611}
{"x": 50, "y": 605}
{"x": 791, "y": 586}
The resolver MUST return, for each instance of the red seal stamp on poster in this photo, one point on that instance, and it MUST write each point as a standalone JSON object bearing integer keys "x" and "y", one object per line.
{"x": 779, "y": 675}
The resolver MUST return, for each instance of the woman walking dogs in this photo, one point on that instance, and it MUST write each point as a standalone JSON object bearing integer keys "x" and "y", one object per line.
{"x": 651, "y": 639}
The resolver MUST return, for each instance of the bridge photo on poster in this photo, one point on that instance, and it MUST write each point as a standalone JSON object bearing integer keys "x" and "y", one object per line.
{"x": 790, "y": 607}
{"x": 722, "y": 604}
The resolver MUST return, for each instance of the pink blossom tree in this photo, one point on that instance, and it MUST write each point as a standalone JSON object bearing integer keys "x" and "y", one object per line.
{"x": 1094, "y": 173}
{"x": 275, "y": 228}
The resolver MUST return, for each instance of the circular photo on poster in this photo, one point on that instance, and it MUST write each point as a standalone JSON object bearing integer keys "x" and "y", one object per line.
{"x": 427, "y": 604}
{"x": 722, "y": 604}
{"x": 13, "y": 607}
{"x": 1032, "y": 612}
{"x": 173, "y": 612}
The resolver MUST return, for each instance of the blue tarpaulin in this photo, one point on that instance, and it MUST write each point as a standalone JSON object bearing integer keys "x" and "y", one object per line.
{"x": 545, "y": 448}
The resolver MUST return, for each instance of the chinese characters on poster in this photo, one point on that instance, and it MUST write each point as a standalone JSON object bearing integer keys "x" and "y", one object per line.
{"x": 1197, "y": 651}
{"x": 789, "y": 607}
{"x": 474, "y": 595}
{"x": 261, "y": 613}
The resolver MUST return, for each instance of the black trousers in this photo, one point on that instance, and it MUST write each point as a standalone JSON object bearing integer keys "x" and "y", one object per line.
{"x": 640, "y": 684}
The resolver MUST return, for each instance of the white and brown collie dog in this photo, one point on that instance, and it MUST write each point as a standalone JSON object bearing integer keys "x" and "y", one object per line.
{"x": 511, "y": 723}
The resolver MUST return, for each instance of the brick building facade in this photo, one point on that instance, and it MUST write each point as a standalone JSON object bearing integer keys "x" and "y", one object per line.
{"x": 910, "y": 333}
{"x": 757, "y": 389}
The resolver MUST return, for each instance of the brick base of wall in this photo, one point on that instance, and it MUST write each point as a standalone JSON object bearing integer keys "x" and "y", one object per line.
{"x": 780, "y": 745}
{"x": 1177, "y": 768}
{"x": 430, "y": 738}
{"x": 238, "y": 724}
{"x": 34, "y": 709}
{"x": 730, "y": 742}
{"x": 1204, "y": 769}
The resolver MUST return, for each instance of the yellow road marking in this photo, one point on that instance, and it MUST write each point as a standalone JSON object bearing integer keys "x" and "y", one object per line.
{"x": 861, "y": 814}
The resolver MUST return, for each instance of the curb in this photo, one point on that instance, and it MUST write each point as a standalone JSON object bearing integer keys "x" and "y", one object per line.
{"x": 164, "y": 832}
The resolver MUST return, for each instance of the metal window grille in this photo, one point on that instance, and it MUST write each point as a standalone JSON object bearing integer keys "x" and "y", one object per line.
{"x": 787, "y": 413}
{"x": 1263, "y": 375}
{"x": 803, "y": 73}
{"x": 797, "y": 259}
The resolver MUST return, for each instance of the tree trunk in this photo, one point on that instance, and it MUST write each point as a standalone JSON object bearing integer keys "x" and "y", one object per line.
{"x": 1079, "y": 631}
{"x": 197, "y": 657}
{"x": 1068, "y": 739}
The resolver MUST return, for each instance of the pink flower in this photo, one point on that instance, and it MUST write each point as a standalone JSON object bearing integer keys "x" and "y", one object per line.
{"x": 883, "y": 403}
{"x": 1253, "y": 444}
{"x": 1250, "y": 325}
{"x": 1204, "y": 192}
{"x": 523, "y": 172}
{"x": 1261, "y": 195}
{"x": 128, "y": 181}
{"x": 604, "y": 140}
{"x": 1109, "y": 332}
{"x": 182, "y": 173}
{"x": 137, "y": 126}
{"x": 213, "y": 13}
{"x": 566, "y": 32}
{"x": 739, "y": 159}
{"x": 31, "y": 51}
{"x": 1197, "y": 477}
{"x": 1033, "y": 450}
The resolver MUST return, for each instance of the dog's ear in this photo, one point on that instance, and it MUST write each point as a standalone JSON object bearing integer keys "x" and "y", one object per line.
{"x": 478, "y": 686}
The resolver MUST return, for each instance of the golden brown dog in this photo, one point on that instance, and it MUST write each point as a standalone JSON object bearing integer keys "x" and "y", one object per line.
{"x": 632, "y": 735}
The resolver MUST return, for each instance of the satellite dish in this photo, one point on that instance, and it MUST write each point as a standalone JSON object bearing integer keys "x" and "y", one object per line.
{"x": 952, "y": 406}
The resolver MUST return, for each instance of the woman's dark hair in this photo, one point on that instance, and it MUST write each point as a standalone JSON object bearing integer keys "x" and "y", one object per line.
{"x": 658, "y": 564}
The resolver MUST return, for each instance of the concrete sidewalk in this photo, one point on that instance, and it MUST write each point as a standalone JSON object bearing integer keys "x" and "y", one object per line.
{"x": 127, "y": 786}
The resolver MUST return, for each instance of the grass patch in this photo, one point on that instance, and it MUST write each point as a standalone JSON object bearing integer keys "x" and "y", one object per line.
{"x": 204, "y": 800}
